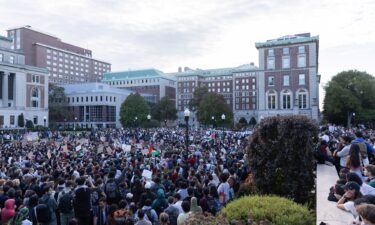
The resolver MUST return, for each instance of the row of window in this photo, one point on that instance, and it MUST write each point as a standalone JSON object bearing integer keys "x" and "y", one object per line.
{"x": 91, "y": 99}
{"x": 245, "y": 106}
{"x": 286, "y": 100}
{"x": 286, "y": 51}
{"x": 245, "y": 87}
{"x": 301, "y": 62}
{"x": 286, "y": 80}
{"x": 10, "y": 59}
{"x": 139, "y": 81}
{"x": 72, "y": 57}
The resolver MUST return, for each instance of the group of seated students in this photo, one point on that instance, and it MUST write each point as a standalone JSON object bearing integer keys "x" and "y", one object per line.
{"x": 354, "y": 191}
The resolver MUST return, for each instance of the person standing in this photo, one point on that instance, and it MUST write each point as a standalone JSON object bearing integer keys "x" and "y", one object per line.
{"x": 82, "y": 202}
{"x": 65, "y": 203}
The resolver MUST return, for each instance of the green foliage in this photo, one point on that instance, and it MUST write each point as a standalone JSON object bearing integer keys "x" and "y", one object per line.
{"x": 276, "y": 210}
{"x": 200, "y": 219}
{"x": 350, "y": 92}
{"x": 133, "y": 107}
{"x": 280, "y": 154}
{"x": 29, "y": 124}
{"x": 242, "y": 121}
{"x": 165, "y": 109}
{"x": 57, "y": 104}
{"x": 21, "y": 120}
{"x": 252, "y": 121}
{"x": 213, "y": 104}
{"x": 198, "y": 95}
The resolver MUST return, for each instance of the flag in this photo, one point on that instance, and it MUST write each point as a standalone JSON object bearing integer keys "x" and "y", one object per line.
{"x": 152, "y": 151}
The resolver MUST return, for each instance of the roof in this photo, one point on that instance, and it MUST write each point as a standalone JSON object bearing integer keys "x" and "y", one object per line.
{"x": 84, "y": 88}
{"x": 218, "y": 71}
{"x": 25, "y": 67}
{"x": 288, "y": 39}
{"x": 5, "y": 38}
{"x": 33, "y": 29}
{"x": 136, "y": 74}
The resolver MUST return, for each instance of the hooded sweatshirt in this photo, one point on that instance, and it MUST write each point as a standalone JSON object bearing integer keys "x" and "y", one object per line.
{"x": 8, "y": 212}
{"x": 160, "y": 202}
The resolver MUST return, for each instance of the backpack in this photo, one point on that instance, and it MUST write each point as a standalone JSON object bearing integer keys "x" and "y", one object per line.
{"x": 149, "y": 215}
{"x": 43, "y": 213}
{"x": 213, "y": 205}
{"x": 362, "y": 149}
{"x": 66, "y": 202}
{"x": 111, "y": 190}
{"x": 120, "y": 217}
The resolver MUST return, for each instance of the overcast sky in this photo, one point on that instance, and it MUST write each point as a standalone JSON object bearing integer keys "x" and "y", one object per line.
{"x": 166, "y": 34}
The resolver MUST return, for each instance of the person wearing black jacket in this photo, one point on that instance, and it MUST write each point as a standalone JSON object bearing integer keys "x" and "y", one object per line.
{"x": 82, "y": 202}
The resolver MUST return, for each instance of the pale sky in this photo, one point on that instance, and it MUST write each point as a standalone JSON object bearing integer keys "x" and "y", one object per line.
{"x": 166, "y": 34}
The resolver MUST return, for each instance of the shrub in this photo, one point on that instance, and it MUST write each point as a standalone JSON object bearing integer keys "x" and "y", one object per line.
{"x": 201, "y": 219}
{"x": 29, "y": 124}
{"x": 275, "y": 210}
{"x": 280, "y": 154}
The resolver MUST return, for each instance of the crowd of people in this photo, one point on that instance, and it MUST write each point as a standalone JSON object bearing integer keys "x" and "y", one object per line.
{"x": 118, "y": 176}
{"x": 352, "y": 153}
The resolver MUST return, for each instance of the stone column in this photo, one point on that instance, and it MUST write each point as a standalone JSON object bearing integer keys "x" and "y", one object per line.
{"x": 5, "y": 89}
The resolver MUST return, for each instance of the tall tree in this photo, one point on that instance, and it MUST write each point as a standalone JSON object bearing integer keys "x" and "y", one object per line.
{"x": 165, "y": 109}
{"x": 198, "y": 95}
{"x": 21, "y": 120}
{"x": 214, "y": 105}
{"x": 350, "y": 93}
{"x": 133, "y": 107}
{"x": 57, "y": 104}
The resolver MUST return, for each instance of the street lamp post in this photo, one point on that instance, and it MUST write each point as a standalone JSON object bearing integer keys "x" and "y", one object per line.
{"x": 223, "y": 120}
{"x": 187, "y": 115}
{"x": 75, "y": 121}
{"x": 148, "y": 120}
{"x": 45, "y": 120}
{"x": 213, "y": 122}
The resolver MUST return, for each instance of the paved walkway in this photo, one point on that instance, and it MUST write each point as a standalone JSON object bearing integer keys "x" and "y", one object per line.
{"x": 327, "y": 211}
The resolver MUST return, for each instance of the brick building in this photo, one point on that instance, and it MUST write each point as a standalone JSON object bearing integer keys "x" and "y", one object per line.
{"x": 285, "y": 83}
{"x": 152, "y": 82}
{"x": 65, "y": 62}
{"x": 288, "y": 76}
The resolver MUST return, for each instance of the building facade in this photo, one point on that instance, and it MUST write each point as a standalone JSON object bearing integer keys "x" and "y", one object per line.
{"x": 94, "y": 105}
{"x": 238, "y": 85}
{"x": 285, "y": 83}
{"x": 288, "y": 76}
{"x": 65, "y": 62}
{"x": 23, "y": 88}
{"x": 154, "y": 83}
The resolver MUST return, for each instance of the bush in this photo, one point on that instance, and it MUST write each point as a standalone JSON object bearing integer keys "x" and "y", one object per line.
{"x": 275, "y": 210}
{"x": 29, "y": 124}
{"x": 200, "y": 219}
{"x": 280, "y": 154}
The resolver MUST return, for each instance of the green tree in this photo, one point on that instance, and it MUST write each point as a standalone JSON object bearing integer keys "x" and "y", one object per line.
{"x": 213, "y": 105}
{"x": 133, "y": 107}
{"x": 57, "y": 104}
{"x": 280, "y": 156}
{"x": 165, "y": 109}
{"x": 350, "y": 93}
{"x": 252, "y": 121}
{"x": 29, "y": 124}
{"x": 21, "y": 120}
{"x": 198, "y": 95}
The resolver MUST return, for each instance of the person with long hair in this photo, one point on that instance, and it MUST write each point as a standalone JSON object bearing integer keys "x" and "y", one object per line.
{"x": 354, "y": 161}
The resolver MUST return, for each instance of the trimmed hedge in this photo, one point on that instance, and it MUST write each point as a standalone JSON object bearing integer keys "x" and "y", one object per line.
{"x": 275, "y": 210}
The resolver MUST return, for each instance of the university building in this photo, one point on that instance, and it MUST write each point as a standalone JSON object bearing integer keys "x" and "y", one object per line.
{"x": 153, "y": 83}
{"x": 93, "y": 105}
{"x": 65, "y": 62}
{"x": 285, "y": 83}
{"x": 23, "y": 88}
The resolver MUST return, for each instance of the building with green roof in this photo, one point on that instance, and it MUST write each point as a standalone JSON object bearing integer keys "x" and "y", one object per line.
{"x": 144, "y": 81}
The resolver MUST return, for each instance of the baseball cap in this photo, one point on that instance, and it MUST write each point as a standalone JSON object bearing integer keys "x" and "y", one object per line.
{"x": 351, "y": 185}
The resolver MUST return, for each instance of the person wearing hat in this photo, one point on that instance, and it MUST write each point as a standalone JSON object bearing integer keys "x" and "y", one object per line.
{"x": 22, "y": 217}
{"x": 352, "y": 192}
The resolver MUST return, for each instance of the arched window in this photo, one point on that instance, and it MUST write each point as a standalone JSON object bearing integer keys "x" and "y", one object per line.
{"x": 271, "y": 99}
{"x": 286, "y": 98}
{"x": 35, "y": 97}
{"x": 302, "y": 99}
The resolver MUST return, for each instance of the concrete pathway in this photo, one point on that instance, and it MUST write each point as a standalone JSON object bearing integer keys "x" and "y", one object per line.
{"x": 327, "y": 211}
